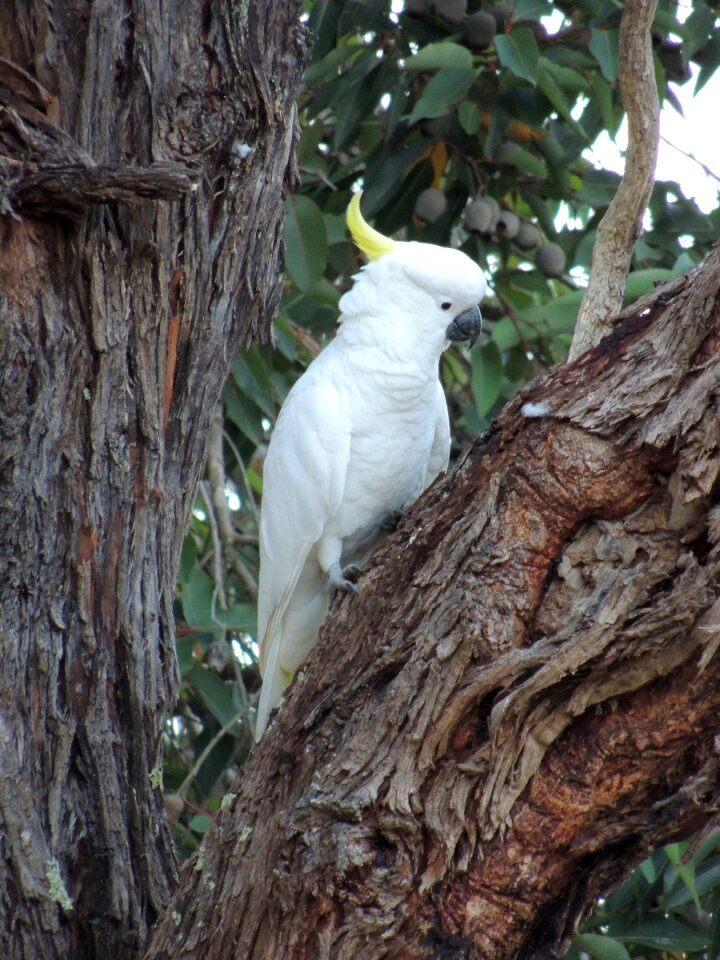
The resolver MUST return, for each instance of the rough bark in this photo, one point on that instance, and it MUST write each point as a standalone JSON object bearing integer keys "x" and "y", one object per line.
{"x": 144, "y": 149}
{"x": 621, "y": 224}
{"x": 523, "y": 699}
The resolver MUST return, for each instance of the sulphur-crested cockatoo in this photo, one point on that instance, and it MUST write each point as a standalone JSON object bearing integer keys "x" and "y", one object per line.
{"x": 361, "y": 434}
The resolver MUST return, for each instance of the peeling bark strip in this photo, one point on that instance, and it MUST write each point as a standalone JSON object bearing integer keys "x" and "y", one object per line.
{"x": 523, "y": 698}
{"x": 116, "y": 333}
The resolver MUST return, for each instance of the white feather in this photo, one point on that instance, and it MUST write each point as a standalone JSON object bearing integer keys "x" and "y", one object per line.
{"x": 361, "y": 434}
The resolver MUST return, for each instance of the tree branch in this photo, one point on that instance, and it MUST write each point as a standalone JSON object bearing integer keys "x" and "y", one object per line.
{"x": 524, "y": 696}
{"x": 622, "y": 223}
{"x": 42, "y": 169}
{"x": 71, "y": 190}
{"x": 217, "y": 480}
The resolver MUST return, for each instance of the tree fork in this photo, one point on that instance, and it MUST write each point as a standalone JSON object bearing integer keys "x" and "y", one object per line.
{"x": 522, "y": 700}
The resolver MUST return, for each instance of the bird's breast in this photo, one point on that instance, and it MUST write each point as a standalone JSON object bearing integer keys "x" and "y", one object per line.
{"x": 389, "y": 451}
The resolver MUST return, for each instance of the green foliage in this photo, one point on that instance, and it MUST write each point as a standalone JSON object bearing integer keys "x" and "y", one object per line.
{"x": 668, "y": 908}
{"x": 398, "y": 103}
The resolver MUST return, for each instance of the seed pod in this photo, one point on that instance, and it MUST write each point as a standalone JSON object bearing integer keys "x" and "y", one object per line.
{"x": 440, "y": 128}
{"x": 495, "y": 207}
{"x": 430, "y": 205}
{"x": 527, "y": 236}
{"x": 481, "y": 29}
{"x": 417, "y": 8}
{"x": 550, "y": 258}
{"x": 451, "y": 10}
{"x": 479, "y": 217}
{"x": 507, "y": 225}
{"x": 500, "y": 12}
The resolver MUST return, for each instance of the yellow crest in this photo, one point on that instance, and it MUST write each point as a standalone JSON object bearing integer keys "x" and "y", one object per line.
{"x": 372, "y": 243}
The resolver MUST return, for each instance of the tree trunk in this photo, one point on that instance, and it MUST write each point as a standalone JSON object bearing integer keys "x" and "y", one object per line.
{"x": 144, "y": 149}
{"x": 522, "y": 700}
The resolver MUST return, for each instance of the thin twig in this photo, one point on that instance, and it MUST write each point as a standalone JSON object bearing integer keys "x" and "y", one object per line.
{"x": 244, "y": 697}
{"x": 690, "y": 156}
{"x": 243, "y": 574}
{"x": 246, "y": 539}
{"x": 185, "y": 785}
{"x": 249, "y": 495}
{"x": 620, "y": 227}
{"x": 218, "y": 576}
{"x": 530, "y": 351}
{"x": 218, "y": 482}
{"x": 217, "y": 479}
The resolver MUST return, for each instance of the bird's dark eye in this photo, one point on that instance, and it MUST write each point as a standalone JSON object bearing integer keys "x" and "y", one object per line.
{"x": 446, "y": 305}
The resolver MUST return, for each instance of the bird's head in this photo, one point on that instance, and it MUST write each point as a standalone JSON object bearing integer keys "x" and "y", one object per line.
{"x": 442, "y": 285}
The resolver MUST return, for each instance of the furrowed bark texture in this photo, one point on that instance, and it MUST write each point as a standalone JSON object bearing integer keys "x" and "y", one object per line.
{"x": 144, "y": 149}
{"x": 523, "y": 699}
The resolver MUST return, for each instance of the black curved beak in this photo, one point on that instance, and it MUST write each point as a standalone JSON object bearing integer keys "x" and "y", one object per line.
{"x": 466, "y": 326}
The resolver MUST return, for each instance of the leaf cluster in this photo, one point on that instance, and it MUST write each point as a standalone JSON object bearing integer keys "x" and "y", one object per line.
{"x": 670, "y": 907}
{"x": 406, "y": 99}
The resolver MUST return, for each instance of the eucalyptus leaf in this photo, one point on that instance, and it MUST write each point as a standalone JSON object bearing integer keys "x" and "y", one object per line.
{"x": 549, "y": 86}
{"x": 215, "y": 692}
{"x": 532, "y": 9}
{"x": 602, "y": 94}
{"x": 525, "y": 160}
{"x": 321, "y": 70}
{"x": 487, "y": 373}
{"x": 436, "y": 56}
{"x": 518, "y": 51}
{"x": 601, "y": 947}
{"x": 202, "y": 611}
{"x": 442, "y": 92}
{"x": 604, "y": 47}
{"x": 242, "y": 411}
{"x": 200, "y": 823}
{"x": 663, "y": 932}
{"x": 469, "y": 116}
{"x": 305, "y": 241}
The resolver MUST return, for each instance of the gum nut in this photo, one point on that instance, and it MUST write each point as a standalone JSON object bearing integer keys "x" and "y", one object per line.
{"x": 550, "y": 258}
{"x": 479, "y": 217}
{"x": 451, "y": 10}
{"x": 417, "y": 8}
{"x": 480, "y": 29}
{"x": 527, "y": 236}
{"x": 495, "y": 207}
{"x": 507, "y": 225}
{"x": 430, "y": 205}
{"x": 500, "y": 12}
{"x": 439, "y": 128}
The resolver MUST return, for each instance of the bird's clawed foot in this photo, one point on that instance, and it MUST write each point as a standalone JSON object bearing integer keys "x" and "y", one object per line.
{"x": 343, "y": 578}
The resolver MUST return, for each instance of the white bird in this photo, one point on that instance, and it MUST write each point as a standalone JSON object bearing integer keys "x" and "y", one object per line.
{"x": 361, "y": 434}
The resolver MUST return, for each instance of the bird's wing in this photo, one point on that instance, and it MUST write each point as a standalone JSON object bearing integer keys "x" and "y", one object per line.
{"x": 303, "y": 482}
{"x": 440, "y": 450}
